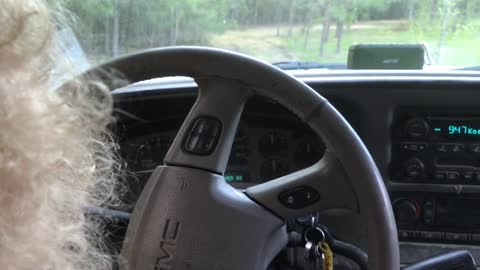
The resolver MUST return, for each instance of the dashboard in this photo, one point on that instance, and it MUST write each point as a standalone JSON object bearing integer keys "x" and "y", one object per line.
{"x": 423, "y": 131}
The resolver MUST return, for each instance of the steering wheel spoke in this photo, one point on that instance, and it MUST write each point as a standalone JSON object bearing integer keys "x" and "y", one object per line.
{"x": 324, "y": 185}
{"x": 205, "y": 139}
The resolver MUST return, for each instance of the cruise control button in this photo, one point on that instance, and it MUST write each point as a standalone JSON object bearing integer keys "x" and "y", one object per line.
{"x": 203, "y": 136}
{"x": 299, "y": 197}
{"x": 206, "y": 126}
{"x": 456, "y": 236}
{"x": 192, "y": 142}
{"x": 198, "y": 144}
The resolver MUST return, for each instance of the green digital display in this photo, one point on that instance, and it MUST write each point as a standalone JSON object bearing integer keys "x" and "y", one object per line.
{"x": 455, "y": 127}
{"x": 463, "y": 130}
{"x": 234, "y": 177}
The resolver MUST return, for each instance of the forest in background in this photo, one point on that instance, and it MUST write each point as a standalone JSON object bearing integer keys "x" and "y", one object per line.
{"x": 275, "y": 30}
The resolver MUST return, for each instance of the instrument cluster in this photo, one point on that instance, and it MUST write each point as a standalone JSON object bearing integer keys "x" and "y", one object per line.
{"x": 259, "y": 153}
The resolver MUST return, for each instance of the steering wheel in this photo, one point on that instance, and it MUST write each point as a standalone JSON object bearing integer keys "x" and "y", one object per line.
{"x": 188, "y": 217}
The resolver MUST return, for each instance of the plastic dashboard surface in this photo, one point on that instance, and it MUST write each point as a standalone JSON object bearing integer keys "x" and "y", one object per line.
{"x": 150, "y": 113}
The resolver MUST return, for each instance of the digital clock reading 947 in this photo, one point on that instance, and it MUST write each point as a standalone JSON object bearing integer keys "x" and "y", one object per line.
{"x": 456, "y": 127}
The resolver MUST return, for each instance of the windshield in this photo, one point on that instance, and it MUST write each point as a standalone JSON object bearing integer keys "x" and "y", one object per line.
{"x": 314, "y": 31}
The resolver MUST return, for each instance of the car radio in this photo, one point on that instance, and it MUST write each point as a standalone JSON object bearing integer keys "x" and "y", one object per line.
{"x": 436, "y": 217}
{"x": 434, "y": 148}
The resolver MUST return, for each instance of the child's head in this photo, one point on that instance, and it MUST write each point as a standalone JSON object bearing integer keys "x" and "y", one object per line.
{"x": 55, "y": 155}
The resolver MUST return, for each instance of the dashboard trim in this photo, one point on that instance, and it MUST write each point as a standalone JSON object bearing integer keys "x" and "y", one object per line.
{"x": 377, "y": 77}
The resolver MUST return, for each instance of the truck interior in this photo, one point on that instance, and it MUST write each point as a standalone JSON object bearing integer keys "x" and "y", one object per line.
{"x": 288, "y": 135}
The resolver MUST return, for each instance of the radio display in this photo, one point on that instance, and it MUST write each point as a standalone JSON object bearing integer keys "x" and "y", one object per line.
{"x": 467, "y": 128}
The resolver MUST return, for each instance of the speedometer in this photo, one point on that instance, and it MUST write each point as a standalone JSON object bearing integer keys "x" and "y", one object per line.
{"x": 150, "y": 153}
{"x": 273, "y": 143}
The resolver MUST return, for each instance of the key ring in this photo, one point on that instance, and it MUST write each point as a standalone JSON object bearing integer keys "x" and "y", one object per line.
{"x": 312, "y": 232}
{"x": 318, "y": 250}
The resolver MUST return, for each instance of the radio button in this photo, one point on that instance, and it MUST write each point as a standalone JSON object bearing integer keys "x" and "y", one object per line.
{"x": 475, "y": 148}
{"x": 414, "y": 168}
{"x": 442, "y": 148}
{"x": 450, "y": 148}
{"x": 413, "y": 147}
{"x": 456, "y": 148}
{"x": 476, "y": 178}
{"x": 456, "y": 236}
{"x": 452, "y": 176}
{"x": 416, "y": 128}
{"x": 404, "y": 146}
{"x": 431, "y": 235}
{"x": 468, "y": 176}
{"x": 439, "y": 176}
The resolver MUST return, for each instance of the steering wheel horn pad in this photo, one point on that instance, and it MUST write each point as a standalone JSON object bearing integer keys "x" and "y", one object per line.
{"x": 188, "y": 217}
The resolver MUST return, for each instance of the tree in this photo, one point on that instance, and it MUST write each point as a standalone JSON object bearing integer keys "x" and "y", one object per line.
{"x": 326, "y": 17}
{"x": 116, "y": 28}
{"x": 445, "y": 17}
{"x": 447, "y": 11}
{"x": 291, "y": 16}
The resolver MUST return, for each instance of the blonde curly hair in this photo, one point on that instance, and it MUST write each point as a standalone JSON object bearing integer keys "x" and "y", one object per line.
{"x": 56, "y": 155}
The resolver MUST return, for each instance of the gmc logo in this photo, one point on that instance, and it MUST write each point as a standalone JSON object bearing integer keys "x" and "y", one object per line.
{"x": 168, "y": 245}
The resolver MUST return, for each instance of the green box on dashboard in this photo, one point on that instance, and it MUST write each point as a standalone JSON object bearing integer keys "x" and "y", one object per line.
{"x": 386, "y": 56}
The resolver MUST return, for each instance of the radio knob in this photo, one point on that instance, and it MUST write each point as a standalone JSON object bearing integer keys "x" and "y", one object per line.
{"x": 414, "y": 168}
{"x": 406, "y": 211}
{"x": 416, "y": 128}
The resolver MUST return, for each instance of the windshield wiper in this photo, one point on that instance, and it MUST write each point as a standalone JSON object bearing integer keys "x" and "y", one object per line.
{"x": 292, "y": 65}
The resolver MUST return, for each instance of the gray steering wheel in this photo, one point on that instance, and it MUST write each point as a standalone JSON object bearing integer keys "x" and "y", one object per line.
{"x": 187, "y": 217}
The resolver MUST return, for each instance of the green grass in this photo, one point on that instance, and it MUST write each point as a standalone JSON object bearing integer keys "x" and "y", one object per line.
{"x": 461, "y": 48}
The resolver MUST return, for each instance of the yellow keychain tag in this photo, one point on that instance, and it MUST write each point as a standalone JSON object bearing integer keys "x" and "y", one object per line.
{"x": 328, "y": 261}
